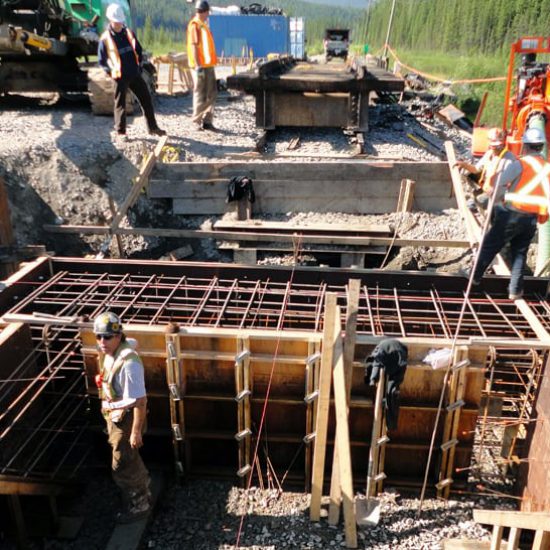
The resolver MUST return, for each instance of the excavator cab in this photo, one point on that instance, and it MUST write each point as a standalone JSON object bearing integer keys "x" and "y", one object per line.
{"x": 528, "y": 105}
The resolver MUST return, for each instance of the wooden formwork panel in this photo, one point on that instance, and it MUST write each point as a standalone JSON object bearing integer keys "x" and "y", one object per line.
{"x": 210, "y": 376}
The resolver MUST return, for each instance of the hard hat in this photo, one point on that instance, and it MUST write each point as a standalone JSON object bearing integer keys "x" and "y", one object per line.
{"x": 496, "y": 136}
{"x": 202, "y": 5}
{"x": 115, "y": 13}
{"x": 533, "y": 136}
{"x": 107, "y": 324}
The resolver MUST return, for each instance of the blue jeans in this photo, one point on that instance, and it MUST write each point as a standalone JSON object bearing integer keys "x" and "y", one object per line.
{"x": 511, "y": 227}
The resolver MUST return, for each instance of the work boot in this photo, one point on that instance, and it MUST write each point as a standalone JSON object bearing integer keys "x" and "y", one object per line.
{"x": 206, "y": 125}
{"x": 516, "y": 296}
{"x": 157, "y": 131}
{"x": 466, "y": 273}
{"x": 134, "y": 513}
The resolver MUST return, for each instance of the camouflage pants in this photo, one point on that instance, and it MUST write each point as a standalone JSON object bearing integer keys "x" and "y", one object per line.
{"x": 129, "y": 472}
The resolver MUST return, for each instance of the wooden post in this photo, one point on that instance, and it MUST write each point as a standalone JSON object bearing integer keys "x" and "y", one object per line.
{"x": 354, "y": 289}
{"x": 323, "y": 403}
{"x": 118, "y": 238}
{"x": 406, "y": 196}
{"x": 342, "y": 440}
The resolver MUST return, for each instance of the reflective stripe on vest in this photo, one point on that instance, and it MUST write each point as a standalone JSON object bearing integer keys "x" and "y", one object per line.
{"x": 206, "y": 48}
{"x": 488, "y": 172}
{"x": 122, "y": 354}
{"x": 532, "y": 193}
{"x": 113, "y": 57}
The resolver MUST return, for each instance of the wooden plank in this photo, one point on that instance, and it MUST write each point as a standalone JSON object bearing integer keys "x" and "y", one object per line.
{"x": 375, "y": 436}
{"x": 343, "y": 441}
{"x": 406, "y": 195}
{"x": 522, "y": 520}
{"x": 513, "y": 538}
{"x": 140, "y": 183}
{"x": 342, "y": 171}
{"x": 268, "y": 226}
{"x": 323, "y": 403}
{"x": 496, "y": 538}
{"x": 353, "y": 291}
{"x": 242, "y": 236}
{"x": 542, "y": 540}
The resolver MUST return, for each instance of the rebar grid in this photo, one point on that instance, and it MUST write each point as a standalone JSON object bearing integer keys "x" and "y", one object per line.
{"x": 43, "y": 403}
{"x": 266, "y": 304}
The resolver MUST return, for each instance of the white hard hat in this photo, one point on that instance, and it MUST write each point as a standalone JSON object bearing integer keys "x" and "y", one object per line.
{"x": 533, "y": 136}
{"x": 115, "y": 13}
{"x": 496, "y": 136}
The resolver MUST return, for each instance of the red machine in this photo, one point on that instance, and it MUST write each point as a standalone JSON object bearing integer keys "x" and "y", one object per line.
{"x": 529, "y": 106}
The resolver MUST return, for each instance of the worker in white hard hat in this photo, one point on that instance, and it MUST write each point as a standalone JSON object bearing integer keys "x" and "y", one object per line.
{"x": 120, "y": 55}
{"x": 522, "y": 198}
{"x": 121, "y": 388}
{"x": 494, "y": 161}
{"x": 201, "y": 52}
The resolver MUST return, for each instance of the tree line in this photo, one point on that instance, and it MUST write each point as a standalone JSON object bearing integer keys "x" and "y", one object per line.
{"x": 463, "y": 26}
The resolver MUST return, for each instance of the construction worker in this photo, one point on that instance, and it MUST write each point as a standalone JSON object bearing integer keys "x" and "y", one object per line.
{"x": 201, "y": 53}
{"x": 494, "y": 161}
{"x": 120, "y": 56}
{"x": 123, "y": 403}
{"x": 522, "y": 198}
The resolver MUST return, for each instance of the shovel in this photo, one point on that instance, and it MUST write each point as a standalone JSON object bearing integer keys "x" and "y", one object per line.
{"x": 367, "y": 508}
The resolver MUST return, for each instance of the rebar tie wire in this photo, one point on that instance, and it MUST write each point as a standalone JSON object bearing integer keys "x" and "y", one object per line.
{"x": 297, "y": 250}
{"x": 453, "y": 347}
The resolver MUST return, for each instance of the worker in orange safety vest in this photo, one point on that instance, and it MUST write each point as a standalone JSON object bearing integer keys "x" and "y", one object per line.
{"x": 493, "y": 162}
{"x": 120, "y": 56}
{"x": 522, "y": 198}
{"x": 201, "y": 52}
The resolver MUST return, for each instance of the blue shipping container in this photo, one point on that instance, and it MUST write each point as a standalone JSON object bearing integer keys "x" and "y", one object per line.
{"x": 235, "y": 34}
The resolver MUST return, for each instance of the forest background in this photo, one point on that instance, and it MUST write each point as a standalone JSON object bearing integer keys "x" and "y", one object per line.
{"x": 453, "y": 39}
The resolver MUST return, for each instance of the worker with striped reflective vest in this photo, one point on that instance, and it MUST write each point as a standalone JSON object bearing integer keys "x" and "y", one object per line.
{"x": 201, "y": 52}
{"x": 522, "y": 198}
{"x": 120, "y": 55}
{"x": 485, "y": 171}
{"x": 123, "y": 403}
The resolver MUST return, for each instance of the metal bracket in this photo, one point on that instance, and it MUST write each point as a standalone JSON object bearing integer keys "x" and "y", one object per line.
{"x": 310, "y": 397}
{"x": 380, "y": 477}
{"x": 240, "y": 357}
{"x": 308, "y": 438}
{"x": 456, "y": 405}
{"x": 461, "y": 365}
{"x": 448, "y": 444}
{"x": 239, "y": 436}
{"x": 382, "y": 441}
{"x": 444, "y": 482}
{"x": 242, "y": 394}
{"x": 244, "y": 470}
{"x": 174, "y": 391}
{"x": 177, "y": 432}
{"x": 172, "y": 351}
{"x": 313, "y": 357}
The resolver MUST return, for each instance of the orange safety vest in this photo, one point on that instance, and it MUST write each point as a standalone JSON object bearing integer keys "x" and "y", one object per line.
{"x": 489, "y": 171}
{"x": 112, "y": 51}
{"x": 206, "y": 48}
{"x": 532, "y": 193}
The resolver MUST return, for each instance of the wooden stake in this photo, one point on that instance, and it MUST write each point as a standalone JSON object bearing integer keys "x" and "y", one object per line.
{"x": 406, "y": 195}
{"x": 354, "y": 289}
{"x": 343, "y": 443}
{"x": 323, "y": 403}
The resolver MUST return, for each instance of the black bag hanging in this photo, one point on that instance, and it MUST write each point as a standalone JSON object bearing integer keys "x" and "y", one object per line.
{"x": 240, "y": 187}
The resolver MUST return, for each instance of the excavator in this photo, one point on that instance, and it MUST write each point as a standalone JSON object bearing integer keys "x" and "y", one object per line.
{"x": 526, "y": 105}
{"x": 45, "y": 46}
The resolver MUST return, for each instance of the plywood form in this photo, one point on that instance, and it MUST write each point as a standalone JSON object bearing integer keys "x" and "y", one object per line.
{"x": 208, "y": 388}
{"x": 200, "y": 188}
